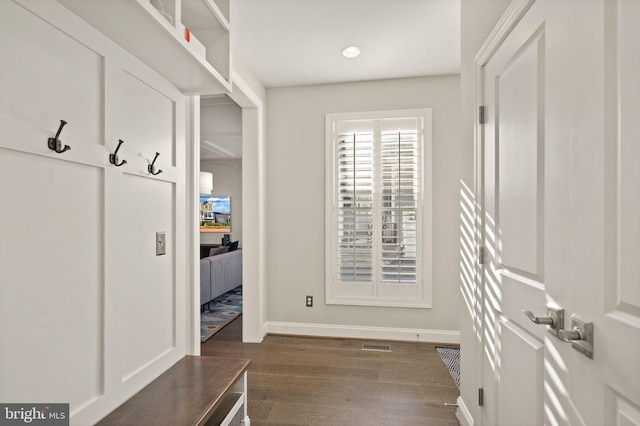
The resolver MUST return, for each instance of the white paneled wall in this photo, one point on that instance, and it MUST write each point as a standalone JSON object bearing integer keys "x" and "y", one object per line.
{"x": 51, "y": 274}
{"x": 88, "y": 313}
{"x": 149, "y": 290}
{"x": 147, "y": 118}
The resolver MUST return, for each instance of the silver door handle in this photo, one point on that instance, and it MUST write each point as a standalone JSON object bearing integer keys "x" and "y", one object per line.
{"x": 580, "y": 336}
{"x": 554, "y": 319}
{"x": 569, "y": 335}
{"x": 550, "y": 320}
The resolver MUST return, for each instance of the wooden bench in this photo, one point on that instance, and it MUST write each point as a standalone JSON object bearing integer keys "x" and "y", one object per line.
{"x": 195, "y": 391}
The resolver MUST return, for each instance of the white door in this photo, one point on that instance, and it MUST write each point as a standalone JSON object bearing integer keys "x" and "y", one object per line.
{"x": 561, "y": 214}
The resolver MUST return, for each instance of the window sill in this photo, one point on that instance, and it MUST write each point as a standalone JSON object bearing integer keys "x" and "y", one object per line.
{"x": 378, "y": 302}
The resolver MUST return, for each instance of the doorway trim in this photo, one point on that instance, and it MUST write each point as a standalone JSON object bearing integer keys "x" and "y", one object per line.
{"x": 253, "y": 216}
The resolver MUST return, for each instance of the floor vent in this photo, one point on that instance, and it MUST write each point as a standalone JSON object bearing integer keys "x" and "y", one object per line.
{"x": 376, "y": 347}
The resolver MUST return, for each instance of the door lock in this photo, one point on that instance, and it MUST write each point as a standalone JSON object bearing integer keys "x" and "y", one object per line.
{"x": 580, "y": 336}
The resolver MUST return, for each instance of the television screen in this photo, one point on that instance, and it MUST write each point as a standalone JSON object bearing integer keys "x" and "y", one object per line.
{"x": 215, "y": 213}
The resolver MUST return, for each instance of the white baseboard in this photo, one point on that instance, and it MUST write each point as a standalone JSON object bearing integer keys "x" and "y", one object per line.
{"x": 362, "y": 332}
{"x": 462, "y": 414}
{"x": 254, "y": 337}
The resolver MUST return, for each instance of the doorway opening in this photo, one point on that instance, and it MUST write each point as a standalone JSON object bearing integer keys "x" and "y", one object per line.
{"x": 251, "y": 203}
{"x": 220, "y": 215}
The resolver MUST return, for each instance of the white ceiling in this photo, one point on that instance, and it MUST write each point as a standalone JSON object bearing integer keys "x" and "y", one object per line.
{"x": 220, "y": 128}
{"x": 296, "y": 42}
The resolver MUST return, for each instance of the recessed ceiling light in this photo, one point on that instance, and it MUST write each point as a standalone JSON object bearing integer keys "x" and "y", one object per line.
{"x": 351, "y": 51}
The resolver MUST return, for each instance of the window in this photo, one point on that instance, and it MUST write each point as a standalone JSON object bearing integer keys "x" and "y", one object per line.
{"x": 378, "y": 208}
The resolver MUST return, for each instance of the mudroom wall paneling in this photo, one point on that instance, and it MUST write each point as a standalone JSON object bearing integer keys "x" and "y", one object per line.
{"x": 89, "y": 314}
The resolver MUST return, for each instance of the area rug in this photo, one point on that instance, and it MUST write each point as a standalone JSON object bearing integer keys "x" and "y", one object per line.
{"x": 220, "y": 312}
{"x": 451, "y": 359}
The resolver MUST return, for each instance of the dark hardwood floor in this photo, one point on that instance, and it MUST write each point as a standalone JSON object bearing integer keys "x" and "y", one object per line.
{"x": 330, "y": 382}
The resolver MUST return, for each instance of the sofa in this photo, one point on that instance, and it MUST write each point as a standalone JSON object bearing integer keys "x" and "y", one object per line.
{"x": 219, "y": 274}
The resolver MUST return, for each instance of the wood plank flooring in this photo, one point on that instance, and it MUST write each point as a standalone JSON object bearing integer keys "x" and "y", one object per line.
{"x": 331, "y": 382}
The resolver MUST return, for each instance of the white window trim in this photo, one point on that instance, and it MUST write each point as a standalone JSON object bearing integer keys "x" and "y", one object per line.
{"x": 365, "y": 295}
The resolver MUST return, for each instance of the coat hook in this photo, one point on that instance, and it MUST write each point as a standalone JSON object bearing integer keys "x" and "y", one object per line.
{"x": 113, "y": 158}
{"x": 55, "y": 143}
{"x": 152, "y": 168}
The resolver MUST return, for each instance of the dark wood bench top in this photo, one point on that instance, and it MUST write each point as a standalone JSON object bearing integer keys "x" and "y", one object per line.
{"x": 186, "y": 394}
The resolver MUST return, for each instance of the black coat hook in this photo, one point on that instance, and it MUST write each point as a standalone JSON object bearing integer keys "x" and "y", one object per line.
{"x": 55, "y": 143}
{"x": 113, "y": 158}
{"x": 152, "y": 168}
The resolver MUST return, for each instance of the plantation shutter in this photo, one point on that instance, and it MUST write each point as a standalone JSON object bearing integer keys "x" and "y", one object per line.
{"x": 378, "y": 211}
{"x": 399, "y": 178}
{"x": 378, "y": 181}
{"x": 355, "y": 207}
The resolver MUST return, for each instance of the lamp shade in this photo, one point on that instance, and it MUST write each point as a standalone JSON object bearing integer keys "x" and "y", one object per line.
{"x": 206, "y": 183}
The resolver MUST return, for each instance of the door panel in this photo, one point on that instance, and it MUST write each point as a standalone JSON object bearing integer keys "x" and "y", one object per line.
{"x": 620, "y": 338}
{"x": 521, "y": 358}
{"x": 628, "y": 70}
{"x": 514, "y": 225}
{"x": 518, "y": 216}
{"x": 562, "y": 213}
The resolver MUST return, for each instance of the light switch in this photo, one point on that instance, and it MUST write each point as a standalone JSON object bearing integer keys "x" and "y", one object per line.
{"x": 160, "y": 243}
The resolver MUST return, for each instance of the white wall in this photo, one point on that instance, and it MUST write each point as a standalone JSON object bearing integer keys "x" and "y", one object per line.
{"x": 227, "y": 180}
{"x": 89, "y": 313}
{"x": 295, "y": 205}
{"x": 478, "y": 19}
